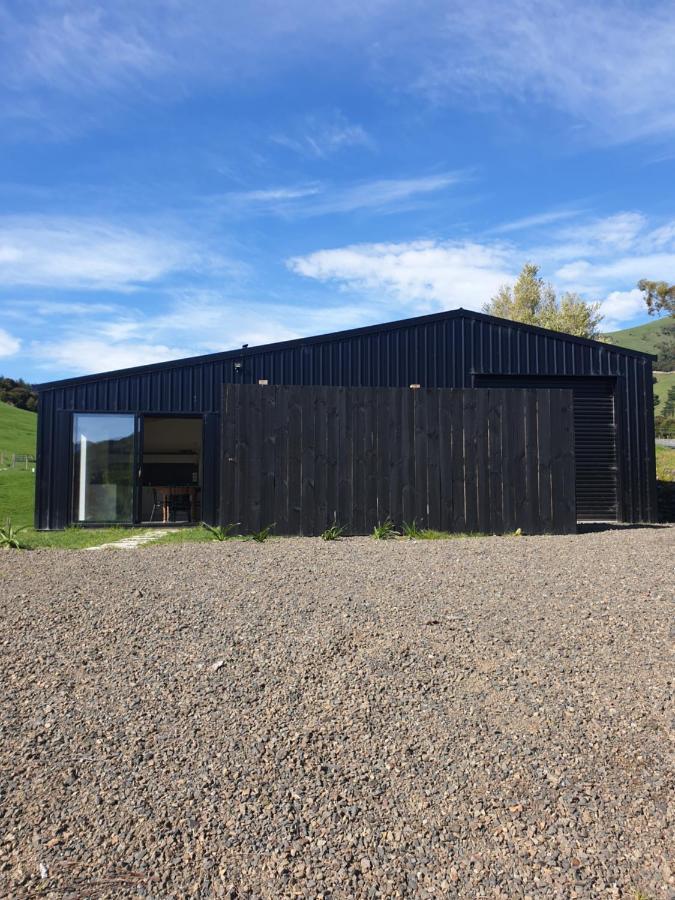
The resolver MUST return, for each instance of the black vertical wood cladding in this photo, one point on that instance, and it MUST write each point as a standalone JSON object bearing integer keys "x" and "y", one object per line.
{"x": 444, "y": 351}
{"x": 356, "y": 485}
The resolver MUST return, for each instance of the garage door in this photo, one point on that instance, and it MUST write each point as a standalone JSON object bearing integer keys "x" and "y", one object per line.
{"x": 594, "y": 439}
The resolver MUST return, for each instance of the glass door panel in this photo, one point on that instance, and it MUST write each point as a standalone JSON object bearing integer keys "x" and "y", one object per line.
{"x": 103, "y": 468}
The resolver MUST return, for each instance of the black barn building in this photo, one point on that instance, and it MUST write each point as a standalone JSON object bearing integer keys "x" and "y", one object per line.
{"x": 458, "y": 419}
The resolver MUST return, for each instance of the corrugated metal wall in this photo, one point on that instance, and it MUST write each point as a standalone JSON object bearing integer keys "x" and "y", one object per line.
{"x": 444, "y": 350}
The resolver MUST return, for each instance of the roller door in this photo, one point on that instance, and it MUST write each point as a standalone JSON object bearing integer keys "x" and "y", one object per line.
{"x": 595, "y": 452}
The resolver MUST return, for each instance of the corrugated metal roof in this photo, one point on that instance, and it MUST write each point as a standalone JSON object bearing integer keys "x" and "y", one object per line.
{"x": 243, "y": 352}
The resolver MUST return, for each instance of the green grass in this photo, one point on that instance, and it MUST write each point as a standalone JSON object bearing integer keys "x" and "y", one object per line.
{"x": 17, "y": 489}
{"x": 385, "y": 531}
{"x": 17, "y": 486}
{"x": 665, "y": 463}
{"x": 74, "y": 538}
{"x": 643, "y": 337}
{"x": 18, "y": 429}
{"x": 664, "y": 381}
{"x": 190, "y": 536}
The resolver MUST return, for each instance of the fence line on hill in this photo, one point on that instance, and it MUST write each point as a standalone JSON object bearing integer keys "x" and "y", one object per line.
{"x": 16, "y": 460}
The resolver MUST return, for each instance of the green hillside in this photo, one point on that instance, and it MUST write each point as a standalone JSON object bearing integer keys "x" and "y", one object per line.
{"x": 642, "y": 337}
{"x": 664, "y": 382}
{"x": 17, "y": 430}
{"x": 17, "y": 486}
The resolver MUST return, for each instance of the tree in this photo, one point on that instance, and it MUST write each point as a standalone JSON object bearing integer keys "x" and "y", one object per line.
{"x": 534, "y": 302}
{"x": 18, "y": 393}
{"x": 659, "y": 296}
{"x": 669, "y": 403}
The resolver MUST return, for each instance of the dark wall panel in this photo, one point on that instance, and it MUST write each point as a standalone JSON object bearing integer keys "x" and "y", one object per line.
{"x": 305, "y": 457}
{"x": 445, "y": 351}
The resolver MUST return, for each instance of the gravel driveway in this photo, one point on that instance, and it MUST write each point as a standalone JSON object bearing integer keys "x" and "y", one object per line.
{"x": 475, "y": 718}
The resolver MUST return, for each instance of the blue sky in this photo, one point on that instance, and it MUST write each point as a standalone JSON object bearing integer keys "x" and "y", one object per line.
{"x": 179, "y": 178}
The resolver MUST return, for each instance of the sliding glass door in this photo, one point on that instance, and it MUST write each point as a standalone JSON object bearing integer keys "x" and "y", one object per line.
{"x": 103, "y": 468}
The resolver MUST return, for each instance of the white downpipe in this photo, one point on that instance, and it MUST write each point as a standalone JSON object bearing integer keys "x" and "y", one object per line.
{"x": 82, "y": 498}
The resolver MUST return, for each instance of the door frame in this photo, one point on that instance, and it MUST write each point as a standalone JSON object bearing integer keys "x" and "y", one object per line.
{"x": 138, "y": 468}
{"x": 138, "y": 471}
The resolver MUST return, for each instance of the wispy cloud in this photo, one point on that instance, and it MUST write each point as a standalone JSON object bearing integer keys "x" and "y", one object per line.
{"x": 276, "y": 195}
{"x": 74, "y": 46}
{"x": 536, "y": 220}
{"x": 77, "y": 50}
{"x": 189, "y": 323}
{"x": 319, "y": 136}
{"x": 80, "y": 253}
{"x": 609, "y": 65}
{"x": 318, "y": 199}
{"x": 385, "y": 192}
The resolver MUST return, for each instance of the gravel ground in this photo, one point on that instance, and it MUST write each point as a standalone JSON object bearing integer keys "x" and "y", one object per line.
{"x": 475, "y": 718}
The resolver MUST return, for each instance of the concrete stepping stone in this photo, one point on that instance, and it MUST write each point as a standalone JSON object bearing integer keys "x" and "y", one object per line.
{"x": 130, "y": 543}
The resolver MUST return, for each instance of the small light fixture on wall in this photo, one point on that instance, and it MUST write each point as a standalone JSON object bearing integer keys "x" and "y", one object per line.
{"x": 238, "y": 366}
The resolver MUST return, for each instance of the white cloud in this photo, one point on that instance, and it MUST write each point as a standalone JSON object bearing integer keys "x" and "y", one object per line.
{"x": 82, "y": 354}
{"x": 664, "y": 236}
{"x": 616, "y": 232}
{"x": 9, "y": 345}
{"x": 425, "y": 275}
{"x": 603, "y": 259}
{"x": 82, "y": 253}
{"x": 620, "y": 307}
{"x": 597, "y": 277}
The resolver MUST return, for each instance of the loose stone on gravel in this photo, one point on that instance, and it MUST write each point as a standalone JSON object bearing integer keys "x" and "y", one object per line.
{"x": 466, "y": 718}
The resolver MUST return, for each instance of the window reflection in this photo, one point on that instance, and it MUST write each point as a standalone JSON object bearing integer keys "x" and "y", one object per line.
{"x": 103, "y": 467}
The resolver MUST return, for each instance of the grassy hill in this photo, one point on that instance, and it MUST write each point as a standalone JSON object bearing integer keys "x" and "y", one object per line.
{"x": 17, "y": 486}
{"x": 646, "y": 338}
{"x": 642, "y": 337}
{"x": 17, "y": 430}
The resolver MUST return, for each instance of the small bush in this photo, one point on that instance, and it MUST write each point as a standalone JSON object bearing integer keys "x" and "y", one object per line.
{"x": 9, "y": 536}
{"x": 261, "y": 536}
{"x": 221, "y": 532}
{"x": 385, "y": 531}
{"x": 333, "y": 533}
